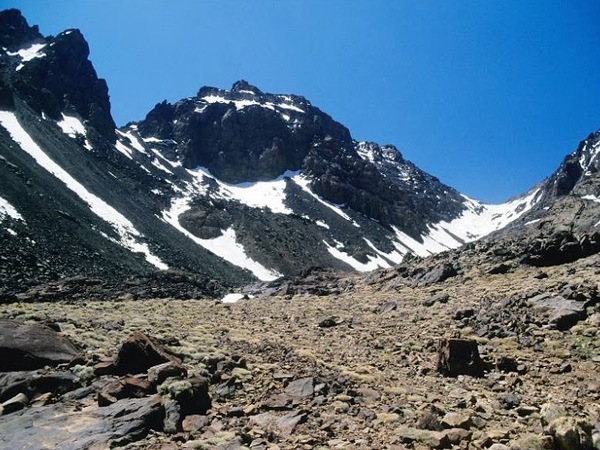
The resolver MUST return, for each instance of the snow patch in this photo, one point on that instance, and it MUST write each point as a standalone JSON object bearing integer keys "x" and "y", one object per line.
{"x": 303, "y": 182}
{"x": 476, "y": 221}
{"x": 235, "y": 297}
{"x": 156, "y": 163}
{"x": 587, "y": 157}
{"x": 395, "y": 256}
{"x": 134, "y": 141}
{"x": 259, "y": 194}
{"x": 160, "y": 155}
{"x": 6, "y": 209}
{"x": 244, "y": 103}
{"x": 72, "y": 126}
{"x": 224, "y": 246}
{"x": 123, "y": 149}
{"x": 290, "y": 107}
{"x": 29, "y": 53}
{"x": 129, "y": 236}
{"x": 592, "y": 198}
{"x": 374, "y": 262}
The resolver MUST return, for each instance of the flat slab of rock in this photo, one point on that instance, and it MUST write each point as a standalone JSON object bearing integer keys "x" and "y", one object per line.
{"x": 33, "y": 383}
{"x": 58, "y": 426}
{"x": 561, "y": 312}
{"x": 303, "y": 387}
{"x": 25, "y": 346}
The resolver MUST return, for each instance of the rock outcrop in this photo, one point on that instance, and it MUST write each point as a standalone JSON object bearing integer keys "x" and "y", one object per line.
{"x": 25, "y": 346}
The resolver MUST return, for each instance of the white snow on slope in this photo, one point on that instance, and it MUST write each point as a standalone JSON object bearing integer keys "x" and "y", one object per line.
{"x": 476, "y": 221}
{"x": 396, "y": 256}
{"x": 167, "y": 160}
{"x": 303, "y": 182}
{"x": 156, "y": 163}
{"x": 265, "y": 194}
{"x": 260, "y": 194}
{"x": 129, "y": 236}
{"x": 594, "y": 199}
{"x": 29, "y": 53}
{"x": 374, "y": 262}
{"x": 591, "y": 197}
{"x": 133, "y": 141}
{"x": 6, "y": 209}
{"x": 223, "y": 246}
{"x": 241, "y": 104}
{"x": 586, "y": 160}
{"x": 71, "y": 126}
{"x": 122, "y": 148}
{"x": 235, "y": 297}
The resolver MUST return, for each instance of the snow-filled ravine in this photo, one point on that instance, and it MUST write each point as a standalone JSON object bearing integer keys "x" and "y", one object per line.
{"x": 477, "y": 221}
{"x": 129, "y": 237}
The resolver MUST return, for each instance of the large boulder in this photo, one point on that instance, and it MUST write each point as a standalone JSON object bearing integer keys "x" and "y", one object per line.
{"x": 27, "y": 346}
{"x": 140, "y": 352}
{"x": 459, "y": 357}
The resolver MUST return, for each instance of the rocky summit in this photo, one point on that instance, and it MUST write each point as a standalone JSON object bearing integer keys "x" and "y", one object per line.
{"x": 235, "y": 271}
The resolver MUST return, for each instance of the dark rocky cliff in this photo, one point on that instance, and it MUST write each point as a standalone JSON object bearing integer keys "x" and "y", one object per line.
{"x": 61, "y": 79}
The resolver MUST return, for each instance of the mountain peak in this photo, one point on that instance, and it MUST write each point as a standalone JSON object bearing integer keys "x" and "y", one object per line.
{"x": 15, "y": 31}
{"x": 244, "y": 87}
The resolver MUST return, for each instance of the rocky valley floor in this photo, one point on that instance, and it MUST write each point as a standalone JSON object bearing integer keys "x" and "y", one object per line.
{"x": 353, "y": 367}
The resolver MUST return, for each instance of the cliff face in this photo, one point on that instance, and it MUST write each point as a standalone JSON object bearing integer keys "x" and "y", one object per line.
{"x": 53, "y": 75}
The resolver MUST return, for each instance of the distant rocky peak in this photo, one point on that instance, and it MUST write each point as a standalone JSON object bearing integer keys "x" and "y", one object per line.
{"x": 575, "y": 168}
{"x": 588, "y": 153}
{"x": 243, "y": 95}
{"x": 373, "y": 152}
{"x": 52, "y": 75}
{"x": 15, "y": 32}
{"x": 244, "y": 87}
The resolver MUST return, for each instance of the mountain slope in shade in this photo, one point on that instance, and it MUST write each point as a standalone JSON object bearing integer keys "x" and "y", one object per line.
{"x": 218, "y": 189}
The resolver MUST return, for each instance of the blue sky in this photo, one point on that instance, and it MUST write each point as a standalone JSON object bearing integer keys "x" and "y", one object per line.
{"x": 488, "y": 96}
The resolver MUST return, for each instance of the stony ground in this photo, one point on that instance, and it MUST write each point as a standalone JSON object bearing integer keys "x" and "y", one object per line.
{"x": 357, "y": 369}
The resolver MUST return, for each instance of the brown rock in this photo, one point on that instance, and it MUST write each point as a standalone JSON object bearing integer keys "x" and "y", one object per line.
{"x": 105, "y": 399}
{"x": 459, "y": 357}
{"x": 368, "y": 393}
{"x": 457, "y": 435}
{"x": 140, "y": 352}
{"x": 105, "y": 368}
{"x": 194, "y": 422}
{"x": 129, "y": 387}
{"x": 190, "y": 394}
{"x": 570, "y": 434}
{"x": 288, "y": 423}
{"x": 158, "y": 374}
{"x": 456, "y": 420}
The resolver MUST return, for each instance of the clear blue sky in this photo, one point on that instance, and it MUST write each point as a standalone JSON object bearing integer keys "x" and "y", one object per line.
{"x": 486, "y": 95}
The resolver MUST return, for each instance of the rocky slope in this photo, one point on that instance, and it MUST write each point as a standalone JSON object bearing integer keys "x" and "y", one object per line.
{"x": 337, "y": 361}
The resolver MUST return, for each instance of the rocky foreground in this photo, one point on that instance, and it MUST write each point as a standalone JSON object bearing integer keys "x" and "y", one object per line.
{"x": 325, "y": 362}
